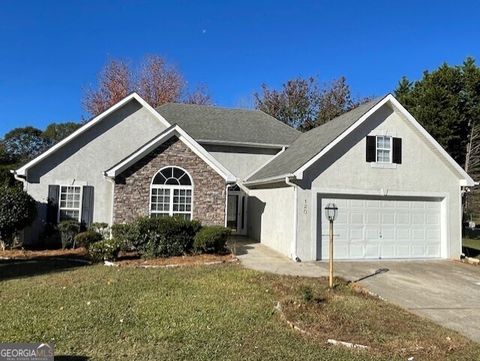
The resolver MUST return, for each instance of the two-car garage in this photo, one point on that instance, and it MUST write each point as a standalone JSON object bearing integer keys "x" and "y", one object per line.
{"x": 374, "y": 227}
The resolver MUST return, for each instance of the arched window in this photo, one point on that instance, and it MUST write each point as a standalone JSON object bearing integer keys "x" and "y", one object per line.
{"x": 171, "y": 193}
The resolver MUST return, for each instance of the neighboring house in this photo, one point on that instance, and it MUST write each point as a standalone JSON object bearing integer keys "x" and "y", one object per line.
{"x": 398, "y": 192}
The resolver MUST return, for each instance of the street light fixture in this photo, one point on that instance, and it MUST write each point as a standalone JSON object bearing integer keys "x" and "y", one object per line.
{"x": 331, "y": 211}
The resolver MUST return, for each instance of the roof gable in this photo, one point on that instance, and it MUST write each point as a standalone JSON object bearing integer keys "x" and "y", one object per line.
{"x": 312, "y": 145}
{"x": 134, "y": 96}
{"x": 173, "y": 130}
{"x": 234, "y": 126}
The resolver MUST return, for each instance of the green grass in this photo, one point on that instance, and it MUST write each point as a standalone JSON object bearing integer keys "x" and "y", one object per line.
{"x": 199, "y": 313}
{"x": 471, "y": 243}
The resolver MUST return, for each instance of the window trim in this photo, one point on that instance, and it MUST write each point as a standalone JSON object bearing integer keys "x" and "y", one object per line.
{"x": 390, "y": 149}
{"x": 80, "y": 203}
{"x": 172, "y": 188}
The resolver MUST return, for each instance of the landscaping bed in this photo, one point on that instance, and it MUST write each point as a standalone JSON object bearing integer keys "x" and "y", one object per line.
{"x": 128, "y": 260}
{"x": 39, "y": 254}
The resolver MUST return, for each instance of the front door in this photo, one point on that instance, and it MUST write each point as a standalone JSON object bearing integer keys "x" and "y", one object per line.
{"x": 236, "y": 208}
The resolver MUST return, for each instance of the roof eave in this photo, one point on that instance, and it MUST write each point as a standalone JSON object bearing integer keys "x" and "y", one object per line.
{"x": 23, "y": 170}
{"x": 268, "y": 180}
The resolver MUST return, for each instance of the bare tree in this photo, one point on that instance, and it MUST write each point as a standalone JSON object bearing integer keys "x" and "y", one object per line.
{"x": 472, "y": 163}
{"x": 303, "y": 104}
{"x": 158, "y": 82}
{"x": 114, "y": 84}
{"x": 199, "y": 96}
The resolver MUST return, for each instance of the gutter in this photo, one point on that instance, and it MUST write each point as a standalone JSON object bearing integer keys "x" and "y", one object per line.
{"x": 295, "y": 219}
{"x": 19, "y": 178}
{"x": 279, "y": 178}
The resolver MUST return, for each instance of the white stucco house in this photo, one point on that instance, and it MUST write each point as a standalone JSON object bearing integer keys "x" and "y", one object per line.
{"x": 398, "y": 192}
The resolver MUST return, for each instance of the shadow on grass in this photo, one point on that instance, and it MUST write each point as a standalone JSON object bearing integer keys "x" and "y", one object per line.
{"x": 21, "y": 268}
{"x": 70, "y": 358}
{"x": 470, "y": 252}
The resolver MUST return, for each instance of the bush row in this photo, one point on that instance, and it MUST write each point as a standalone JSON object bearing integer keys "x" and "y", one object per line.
{"x": 149, "y": 237}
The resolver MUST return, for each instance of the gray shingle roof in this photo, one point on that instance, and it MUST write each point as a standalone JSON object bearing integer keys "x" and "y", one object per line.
{"x": 311, "y": 143}
{"x": 233, "y": 125}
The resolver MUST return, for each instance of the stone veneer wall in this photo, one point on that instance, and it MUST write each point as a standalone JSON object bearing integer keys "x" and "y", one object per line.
{"x": 132, "y": 187}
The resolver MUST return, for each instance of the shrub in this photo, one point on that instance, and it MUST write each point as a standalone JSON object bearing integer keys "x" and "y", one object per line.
{"x": 124, "y": 234}
{"x": 307, "y": 293}
{"x": 211, "y": 239}
{"x": 85, "y": 239}
{"x": 68, "y": 230}
{"x": 101, "y": 228}
{"x": 158, "y": 237}
{"x": 50, "y": 237}
{"x": 105, "y": 250}
{"x": 17, "y": 211}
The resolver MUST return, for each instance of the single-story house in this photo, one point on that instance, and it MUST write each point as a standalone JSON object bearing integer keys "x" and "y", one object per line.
{"x": 399, "y": 194}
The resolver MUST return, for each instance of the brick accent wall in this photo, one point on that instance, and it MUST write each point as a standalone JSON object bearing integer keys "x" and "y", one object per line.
{"x": 132, "y": 187}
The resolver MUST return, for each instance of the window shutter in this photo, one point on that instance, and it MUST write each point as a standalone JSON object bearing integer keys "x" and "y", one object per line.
{"x": 371, "y": 148}
{"x": 397, "y": 151}
{"x": 52, "y": 203}
{"x": 87, "y": 206}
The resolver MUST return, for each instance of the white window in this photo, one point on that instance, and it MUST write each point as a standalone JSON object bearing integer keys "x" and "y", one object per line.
{"x": 171, "y": 193}
{"x": 70, "y": 203}
{"x": 384, "y": 149}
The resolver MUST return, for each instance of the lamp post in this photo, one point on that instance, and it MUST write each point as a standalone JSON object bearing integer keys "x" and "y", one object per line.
{"x": 331, "y": 211}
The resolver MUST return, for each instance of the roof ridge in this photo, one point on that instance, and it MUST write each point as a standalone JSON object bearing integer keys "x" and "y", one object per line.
{"x": 209, "y": 106}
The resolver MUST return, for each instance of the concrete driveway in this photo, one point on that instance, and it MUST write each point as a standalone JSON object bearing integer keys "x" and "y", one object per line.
{"x": 447, "y": 292}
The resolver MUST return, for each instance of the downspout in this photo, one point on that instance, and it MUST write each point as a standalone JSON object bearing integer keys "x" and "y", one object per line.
{"x": 295, "y": 219}
{"x": 112, "y": 181}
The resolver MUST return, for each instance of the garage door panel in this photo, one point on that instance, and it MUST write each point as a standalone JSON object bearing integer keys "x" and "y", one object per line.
{"x": 432, "y": 250}
{"x": 357, "y": 250}
{"x": 402, "y": 218}
{"x": 384, "y": 228}
{"x": 388, "y": 218}
{"x": 418, "y": 234}
{"x": 433, "y": 219}
{"x": 340, "y": 251}
{"x": 387, "y": 250}
{"x": 355, "y": 233}
{"x": 372, "y": 250}
{"x": 403, "y": 251}
{"x": 356, "y": 218}
{"x": 372, "y": 233}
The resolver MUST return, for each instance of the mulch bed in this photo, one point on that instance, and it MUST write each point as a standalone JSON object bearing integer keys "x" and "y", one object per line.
{"x": 189, "y": 260}
{"x": 130, "y": 259}
{"x": 24, "y": 254}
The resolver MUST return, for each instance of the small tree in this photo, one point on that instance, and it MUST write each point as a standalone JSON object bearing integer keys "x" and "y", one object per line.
{"x": 17, "y": 211}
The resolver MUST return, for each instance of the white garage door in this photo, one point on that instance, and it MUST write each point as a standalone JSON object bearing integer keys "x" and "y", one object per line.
{"x": 382, "y": 228}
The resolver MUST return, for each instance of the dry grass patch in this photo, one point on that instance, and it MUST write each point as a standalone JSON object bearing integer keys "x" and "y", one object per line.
{"x": 187, "y": 260}
{"x": 348, "y": 313}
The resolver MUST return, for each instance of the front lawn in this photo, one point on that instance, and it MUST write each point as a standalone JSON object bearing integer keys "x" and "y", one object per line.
{"x": 207, "y": 312}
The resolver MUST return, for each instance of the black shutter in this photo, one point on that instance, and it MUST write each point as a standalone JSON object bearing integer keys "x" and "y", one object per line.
{"x": 52, "y": 205}
{"x": 397, "y": 150}
{"x": 371, "y": 148}
{"x": 87, "y": 206}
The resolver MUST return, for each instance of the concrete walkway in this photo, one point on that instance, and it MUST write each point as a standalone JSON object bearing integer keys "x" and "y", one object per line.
{"x": 447, "y": 292}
